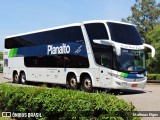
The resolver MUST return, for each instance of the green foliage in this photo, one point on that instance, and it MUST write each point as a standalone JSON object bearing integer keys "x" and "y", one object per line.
{"x": 145, "y": 15}
{"x": 1, "y": 69}
{"x": 158, "y": 77}
{"x": 153, "y": 76}
{"x": 1, "y": 55}
{"x": 63, "y": 104}
{"x": 1, "y": 58}
{"x": 153, "y": 64}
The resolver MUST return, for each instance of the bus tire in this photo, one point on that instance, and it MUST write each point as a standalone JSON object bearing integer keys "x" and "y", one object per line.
{"x": 23, "y": 78}
{"x": 86, "y": 84}
{"x": 15, "y": 77}
{"x": 72, "y": 82}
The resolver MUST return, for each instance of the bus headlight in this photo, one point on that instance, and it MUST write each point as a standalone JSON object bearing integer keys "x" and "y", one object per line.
{"x": 116, "y": 75}
{"x": 118, "y": 83}
{"x": 121, "y": 83}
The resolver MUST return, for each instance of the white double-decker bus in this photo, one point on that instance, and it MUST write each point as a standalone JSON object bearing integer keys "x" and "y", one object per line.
{"x": 87, "y": 55}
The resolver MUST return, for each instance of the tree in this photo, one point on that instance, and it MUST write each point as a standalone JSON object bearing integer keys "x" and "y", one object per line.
{"x": 145, "y": 15}
{"x": 153, "y": 65}
{"x": 1, "y": 56}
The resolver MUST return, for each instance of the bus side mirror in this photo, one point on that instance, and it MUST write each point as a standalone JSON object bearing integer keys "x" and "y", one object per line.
{"x": 150, "y": 47}
{"x": 111, "y": 43}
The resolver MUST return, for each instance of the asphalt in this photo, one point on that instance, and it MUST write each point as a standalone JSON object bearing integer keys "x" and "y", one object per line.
{"x": 146, "y": 99}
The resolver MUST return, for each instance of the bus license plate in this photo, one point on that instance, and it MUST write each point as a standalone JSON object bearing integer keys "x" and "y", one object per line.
{"x": 134, "y": 85}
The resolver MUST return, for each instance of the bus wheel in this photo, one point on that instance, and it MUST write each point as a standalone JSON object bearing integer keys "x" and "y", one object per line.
{"x": 72, "y": 82}
{"x": 86, "y": 84}
{"x": 15, "y": 78}
{"x": 23, "y": 78}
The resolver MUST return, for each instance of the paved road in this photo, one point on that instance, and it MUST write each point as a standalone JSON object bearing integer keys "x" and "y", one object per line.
{"x": 3, "y": 80}
{"x": 144, "y": 100}
{"x": 147, "y": 99}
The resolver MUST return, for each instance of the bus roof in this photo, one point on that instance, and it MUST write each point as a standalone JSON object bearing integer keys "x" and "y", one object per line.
{"x": 64, "y": 26}
{"x": 104, "y": 21}
{"x": 43, "y": 30}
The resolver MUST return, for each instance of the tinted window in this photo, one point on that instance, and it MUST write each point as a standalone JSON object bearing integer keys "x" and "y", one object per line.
{"x": 102, "y": 53}
{"x": 60, "y": 61}
{"x": 75, "y": 61}
{"x": 126, "y": 34}
{"x": 103, "y": 56}
{"x": 41, "y": 61}
{"x": 96, "y": 31}
{"x": 70, "y": 34}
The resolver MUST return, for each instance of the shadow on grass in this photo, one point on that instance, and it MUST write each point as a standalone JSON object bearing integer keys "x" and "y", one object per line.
{"x": 107, "y": 91}
{"x": 126, "y": 92}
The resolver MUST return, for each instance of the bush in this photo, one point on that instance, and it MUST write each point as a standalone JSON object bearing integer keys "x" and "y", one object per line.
{"x": 63, "y": 104}
{"x": 153, "y": 76}
{"x": 1, "y": 69}
{"x": 1, "y": 55}
{"x": 158, "y": 77}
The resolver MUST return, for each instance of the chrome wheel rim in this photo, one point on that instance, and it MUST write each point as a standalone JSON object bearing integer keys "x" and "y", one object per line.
{"x": 16, "y": 78}
{"x": 87, "y": 83}
{"x": 23, "y": 79}
{"x": 73, "y": 82}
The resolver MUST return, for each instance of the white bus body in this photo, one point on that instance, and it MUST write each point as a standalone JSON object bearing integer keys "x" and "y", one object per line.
{"x": 88, "y": 54}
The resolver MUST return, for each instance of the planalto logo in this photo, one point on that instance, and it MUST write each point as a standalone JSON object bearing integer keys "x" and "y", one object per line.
{"x": 63, "y": 49}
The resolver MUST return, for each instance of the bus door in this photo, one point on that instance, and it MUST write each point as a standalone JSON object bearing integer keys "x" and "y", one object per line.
{"x": 6, "y": 64}
{"x": 105, "y": 77}
{"x": 6, "y": 68}
{"x": 105, "y": 71}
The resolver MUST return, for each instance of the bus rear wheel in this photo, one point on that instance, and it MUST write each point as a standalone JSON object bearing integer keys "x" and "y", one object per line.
{"x": 23, "y": 78}
{"x": 72, "y": 82}
{"x": 86, "y": 84}
{"x": 15, "y": 78}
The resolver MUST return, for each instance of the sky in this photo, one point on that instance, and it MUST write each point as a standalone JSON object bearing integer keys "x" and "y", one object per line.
{"x": 20, "y": 16}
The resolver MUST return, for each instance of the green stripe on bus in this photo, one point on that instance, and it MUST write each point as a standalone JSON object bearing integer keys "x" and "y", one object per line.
{"x": 13, "y": 52}
{"x": 124, "y": 75}
{"x": 10, "y": 52}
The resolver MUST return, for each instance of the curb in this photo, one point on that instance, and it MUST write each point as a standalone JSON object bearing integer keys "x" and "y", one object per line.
{"x": 153, "y": 81}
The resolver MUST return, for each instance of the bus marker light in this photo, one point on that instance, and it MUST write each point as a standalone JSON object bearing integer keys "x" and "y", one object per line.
{"x": 97, "y": 79}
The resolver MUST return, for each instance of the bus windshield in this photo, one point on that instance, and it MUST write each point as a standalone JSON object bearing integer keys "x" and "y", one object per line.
{"x": 130, "y": 61}
{"x": 126, "y": 34}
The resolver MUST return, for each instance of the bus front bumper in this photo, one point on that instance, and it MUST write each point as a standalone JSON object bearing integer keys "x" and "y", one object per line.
{"x": 130, "y": 83}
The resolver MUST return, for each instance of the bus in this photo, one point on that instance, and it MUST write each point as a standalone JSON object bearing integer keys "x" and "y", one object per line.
{"x": 87, "y": 55}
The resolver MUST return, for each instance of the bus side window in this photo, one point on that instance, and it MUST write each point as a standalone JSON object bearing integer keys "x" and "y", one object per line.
{"x": 103, "y": 58}
{"x": 5, "y": 62}
{"x": 60, "y": 61}
{"x": 106, "y": 60}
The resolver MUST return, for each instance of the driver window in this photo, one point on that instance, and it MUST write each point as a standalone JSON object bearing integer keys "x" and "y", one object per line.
{"x": 106, "y": 60}
{"x": 103, "y": 59}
